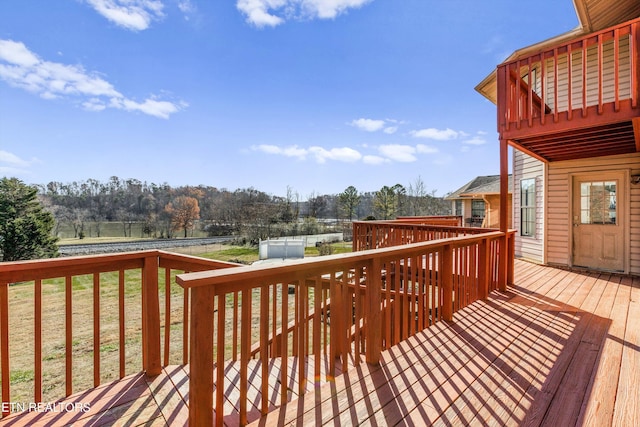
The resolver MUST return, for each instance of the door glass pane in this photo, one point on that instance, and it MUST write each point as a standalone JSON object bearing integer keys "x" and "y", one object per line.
{"x": 598, "y": 202}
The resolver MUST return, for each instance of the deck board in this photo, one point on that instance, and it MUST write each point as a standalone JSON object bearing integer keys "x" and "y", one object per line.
{"x": 549, "y": 360}
{"x": 560, "y": 347}
{"x": 627, "y": 407}
{"x": 500, "y": 380}
{"x": 600, "y": 405}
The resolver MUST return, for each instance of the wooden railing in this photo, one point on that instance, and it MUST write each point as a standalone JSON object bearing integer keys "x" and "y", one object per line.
{"x": 60, "y": 315}
{"x": 346, "y": 308}
{"x": 446, "y": 220}
{"x": 382, "y": 234}
{"x": 585, "y": 77}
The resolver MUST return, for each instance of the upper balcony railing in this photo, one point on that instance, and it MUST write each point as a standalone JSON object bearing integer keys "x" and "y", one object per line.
{"x": 588, "y": 81}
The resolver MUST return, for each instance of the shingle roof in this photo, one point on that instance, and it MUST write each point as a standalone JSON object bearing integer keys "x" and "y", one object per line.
{"x": 489, "y": 184}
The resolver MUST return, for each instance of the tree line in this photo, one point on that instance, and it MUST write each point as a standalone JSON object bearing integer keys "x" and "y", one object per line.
{"x": 165, "y": 211}
{"x": 31, "y": 215}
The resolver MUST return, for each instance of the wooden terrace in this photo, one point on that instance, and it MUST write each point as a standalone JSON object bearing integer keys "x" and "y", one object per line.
{"x": 409, "y": 332}
{"x": 558, "y": 348}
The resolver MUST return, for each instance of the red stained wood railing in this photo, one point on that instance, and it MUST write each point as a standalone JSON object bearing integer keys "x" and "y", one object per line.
{"x": 574, "y": 80}
{"x": 373, "y": 298}
{"x": 344, "y": 309}
{"x": 382, "y": 234}
{"x": 39, "y": 276}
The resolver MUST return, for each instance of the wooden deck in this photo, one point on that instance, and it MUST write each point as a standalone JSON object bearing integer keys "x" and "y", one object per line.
{"x": 559, "y": 348}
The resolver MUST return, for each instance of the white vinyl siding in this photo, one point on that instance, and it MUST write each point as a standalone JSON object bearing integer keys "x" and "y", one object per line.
{"x": 527, "y": 167}
{"x": 559, "y": 205}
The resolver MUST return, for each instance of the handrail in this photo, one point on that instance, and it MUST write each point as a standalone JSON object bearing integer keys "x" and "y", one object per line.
{"x": 378, "y": 234}
{"x": 603, "y": 76}
{"x": 114, "y": 282}
{"x": 378, "y": 298}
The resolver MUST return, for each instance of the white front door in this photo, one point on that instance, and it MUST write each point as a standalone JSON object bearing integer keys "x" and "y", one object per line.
{"x": 598, "y": 222}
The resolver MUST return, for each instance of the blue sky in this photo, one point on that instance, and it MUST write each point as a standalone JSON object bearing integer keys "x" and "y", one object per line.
{"x": 315, "y": 95}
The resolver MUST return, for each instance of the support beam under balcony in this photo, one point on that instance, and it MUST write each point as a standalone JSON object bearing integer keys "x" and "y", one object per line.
{"x": 636, "y": 132}
{"x": 504, "y": 213}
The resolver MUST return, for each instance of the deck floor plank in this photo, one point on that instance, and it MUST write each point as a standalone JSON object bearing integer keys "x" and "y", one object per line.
{"x": 502, "y": 383}
{"x": 600, "y": 405}
{"x": 533, "y": 316}
{"x": 627, "y": 408}
{"x": 525, "y": 358}
{"x": 567, "y": 402}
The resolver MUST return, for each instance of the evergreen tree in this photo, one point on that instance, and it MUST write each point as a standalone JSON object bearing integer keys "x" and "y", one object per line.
{"x": 25, "y": 227}
{"x": 349, "y": 200}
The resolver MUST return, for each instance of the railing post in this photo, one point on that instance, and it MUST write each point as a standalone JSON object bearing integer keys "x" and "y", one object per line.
{"x": 503, "y": 96}
{"x": 201, "y": 357}
{"x": 151, "y": 312}
{"x": 374, "y": 315}
{"x": 447, "y": 283}
{"x": 502, "y": 262}
{"x": 510, "y": 258}
{"x": 635, "y": 64}
{"x": 4, "y": 345}
{"x": 483, "y": 268}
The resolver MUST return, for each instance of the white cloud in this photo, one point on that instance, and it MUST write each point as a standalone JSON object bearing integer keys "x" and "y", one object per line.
{"x": 476, "y": 140}
{"x": 437, "y": 134}
{"x": 385, "y": 153}
{"x": 320, "y": 154}
{"x": 329, "y": 9}
{"x": 186, "y": 6}
{"x": 368, "y": 125}
{"x": 291, "y": 151}
{"x": 271, "y": 13}
{"x": 399, "y": 153}
{"x": 17, "y": 54}
{"x": 426, "y": 149}
{"x": 21, "y": 68}
{"x": 343, "y": 154}
{"x": 12, "y": 159}
{"x": 374, "y": 160}
{"x": 10, "y": 164}
{"x": 390, "y": 130}
{"x": 388, "y": 126}
{"x": 135, "y": 15}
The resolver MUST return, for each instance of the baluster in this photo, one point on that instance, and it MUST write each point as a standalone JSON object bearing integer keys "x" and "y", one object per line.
{"x": 68, "y": 332}
{"x": 4, "y": 345}
{"x": 37, "y": 307}
{"x": 96, "y": 330}
{"x": 446, "y": 280}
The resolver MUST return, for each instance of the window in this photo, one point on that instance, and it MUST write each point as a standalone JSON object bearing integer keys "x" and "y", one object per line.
{"x": 528, "y": 207}
{"x": 458, "y": 208}
{"x": 598, "y": 202}
{"x": 477, "y": 209}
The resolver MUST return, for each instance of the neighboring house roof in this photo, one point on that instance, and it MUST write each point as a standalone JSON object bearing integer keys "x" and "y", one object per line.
{"x": 480, "y": 185}
{"x": 593, "y": 15}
